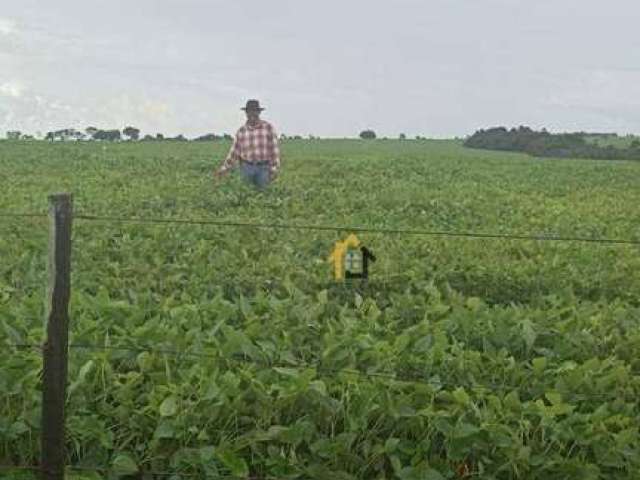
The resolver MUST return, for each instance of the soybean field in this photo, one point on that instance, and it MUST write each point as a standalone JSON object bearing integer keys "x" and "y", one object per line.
{"x": 498, "y": 336}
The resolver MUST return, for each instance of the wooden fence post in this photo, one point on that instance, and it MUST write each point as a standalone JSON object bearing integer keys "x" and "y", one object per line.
{"x": 52, "y": 461}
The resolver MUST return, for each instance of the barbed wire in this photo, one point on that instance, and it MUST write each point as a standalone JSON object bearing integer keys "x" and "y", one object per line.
{"x": 418, "y": 379}
{"x": 22, "y": 215}
{"x": 332, "y": 228}
{"x": 356, "y": 229}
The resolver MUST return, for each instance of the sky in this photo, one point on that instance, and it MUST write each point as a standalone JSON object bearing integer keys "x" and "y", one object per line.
{"x": 330, "y": 68}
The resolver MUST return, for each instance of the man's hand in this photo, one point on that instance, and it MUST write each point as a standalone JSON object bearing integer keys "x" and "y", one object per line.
{"x": 218, "y": 174}
{"x": 273, "y": 174}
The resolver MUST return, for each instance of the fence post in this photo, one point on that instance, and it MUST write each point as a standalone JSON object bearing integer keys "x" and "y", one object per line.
{"x": 56, "y": 345}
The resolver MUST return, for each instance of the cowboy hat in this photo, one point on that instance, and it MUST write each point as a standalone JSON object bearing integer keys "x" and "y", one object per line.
{"x": 253, "y": 105}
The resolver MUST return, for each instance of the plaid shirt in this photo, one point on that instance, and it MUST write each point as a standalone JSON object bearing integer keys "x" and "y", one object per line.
{"x": 254, "y": 144}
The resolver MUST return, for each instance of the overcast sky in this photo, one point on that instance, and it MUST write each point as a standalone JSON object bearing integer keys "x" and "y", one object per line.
{"x": 329, "y": 67}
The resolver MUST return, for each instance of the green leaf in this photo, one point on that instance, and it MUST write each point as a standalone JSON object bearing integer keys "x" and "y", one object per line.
{"x": 358, "y": 300}
{"x": 86, "y": 368}
{"x": 245, "y": 307}
{"x": 465, "y": 430}
{"x": 124, "y": 464}
{"x": 554, "y": 398}
{"x": 18, "y": 428}
{"x": 512, "y": 401}
{"x": 528, "y": 333}
{"x": 391, "y": 444}
{"x": 319, "y": 386}
{"x": 323, "y": 297}
{"x": 443, "y": 425}
{"x": 539, "y": 364}
{"x": 419, "y": 473}
{"x": 82, "y": 375}
{"x": 144, "y": 360}
{"x": 169, "y": 406}
{"x": 236, "y": 464}
{"x": 239, "y": 342}
{"x": 212, "y": 391}
{"x": 165, "y": 430}
{"x": 206, "y": 453}
{"x": 561, "y": 409}
{"x": 460, "y": 396}
{"x": 432, "y": 474}
{"x": 474, "y": 303}
{"x": 396, "y": 464}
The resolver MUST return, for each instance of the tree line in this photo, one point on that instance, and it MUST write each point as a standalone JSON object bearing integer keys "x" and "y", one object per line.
{"x": 110, "y": 135}
{"x": 126, "y": 134}
{"x": 545, "y": 144}
{"x": 133, "y": 134}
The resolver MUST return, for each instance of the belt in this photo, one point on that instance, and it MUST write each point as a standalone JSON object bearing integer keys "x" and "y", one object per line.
{"x": 262, "y": 162}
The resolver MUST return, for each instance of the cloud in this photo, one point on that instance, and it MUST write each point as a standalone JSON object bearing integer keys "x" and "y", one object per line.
{"x": 593, "y": 99}
{"x": 11, "y": 89}
{"x": 598, "y": 88}
{"x": 24, "y": 112}
{"x": 154, "y": 108}
{"x": 7, "y": 26}
{"x": 431, "y": 72}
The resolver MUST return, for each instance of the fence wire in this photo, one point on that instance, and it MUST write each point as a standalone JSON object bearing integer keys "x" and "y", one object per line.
{"x": 333, "y": 228}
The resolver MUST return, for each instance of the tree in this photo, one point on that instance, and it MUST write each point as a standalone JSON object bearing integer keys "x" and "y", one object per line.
{"x": 75, "y": 134}
{"x": 107, "y": 135}
{"x": 69, "y": 134}
{"x": 209, "y": 137}
{"x": 100, "y": 135}
{"x": 545, "y": 144}
{"x": 60, "y": 135}
{"x": 14, "y": 135}
{"x": 90, "y": 131}
{"x": 368, "y": 134}
{"x": 132, "y": 132}
{"x": 148, "y": 138}
{"x": 403, "y": 136}
{"x": 159, "y": 136}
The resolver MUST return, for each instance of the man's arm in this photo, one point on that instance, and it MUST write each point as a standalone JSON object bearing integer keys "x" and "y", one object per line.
{"x": 232, "y": 157}
{"x": 275, "y": 153}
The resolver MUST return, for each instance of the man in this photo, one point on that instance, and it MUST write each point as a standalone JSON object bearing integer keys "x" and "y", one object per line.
{"x": 255, "y": 147}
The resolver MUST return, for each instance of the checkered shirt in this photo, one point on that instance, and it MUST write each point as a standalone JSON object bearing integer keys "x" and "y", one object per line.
{"x": 254, "y": 144}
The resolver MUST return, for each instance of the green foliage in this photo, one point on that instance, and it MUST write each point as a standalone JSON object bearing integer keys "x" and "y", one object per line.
{"x": 368, "y": 134}
{"x": 545, "y": 144}
{"x": 107, "y": 135}
{"x": 131, "y": 132}
{"x": 14, "y": 135}
{"x": 497, "y": 358}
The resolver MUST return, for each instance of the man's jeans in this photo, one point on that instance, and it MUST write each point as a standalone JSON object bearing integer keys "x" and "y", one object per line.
{"x": 256, "y": 174}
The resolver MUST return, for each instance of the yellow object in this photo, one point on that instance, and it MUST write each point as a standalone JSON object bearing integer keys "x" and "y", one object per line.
{"x": 339, "y": 252}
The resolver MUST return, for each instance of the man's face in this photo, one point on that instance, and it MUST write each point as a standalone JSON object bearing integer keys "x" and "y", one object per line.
{"x": 253, "y": 117}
